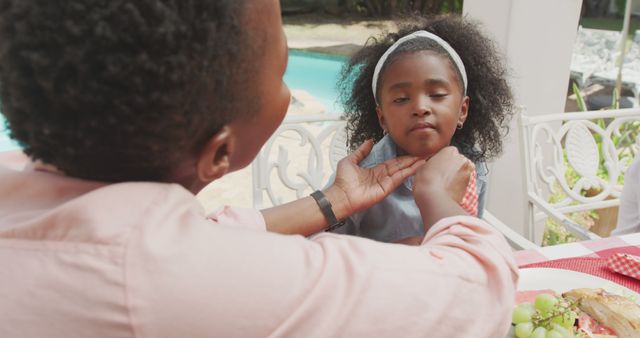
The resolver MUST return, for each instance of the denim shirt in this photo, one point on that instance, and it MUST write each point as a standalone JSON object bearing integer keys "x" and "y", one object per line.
{"x": 397, "y": 216}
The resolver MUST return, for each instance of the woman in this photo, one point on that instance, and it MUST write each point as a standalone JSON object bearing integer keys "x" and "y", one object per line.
{"x": 128, "y": 109}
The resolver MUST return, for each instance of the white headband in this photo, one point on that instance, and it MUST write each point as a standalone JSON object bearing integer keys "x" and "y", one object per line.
{"x": 414, "y": 35}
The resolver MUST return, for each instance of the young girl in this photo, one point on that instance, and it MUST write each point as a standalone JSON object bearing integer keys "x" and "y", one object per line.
{"x": 437, "y": 82}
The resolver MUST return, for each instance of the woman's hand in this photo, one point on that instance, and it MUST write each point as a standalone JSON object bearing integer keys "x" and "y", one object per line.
{"x": 445, "y": 172}
{"x": 440, "y": 185}
{"x": 357, "y": 188}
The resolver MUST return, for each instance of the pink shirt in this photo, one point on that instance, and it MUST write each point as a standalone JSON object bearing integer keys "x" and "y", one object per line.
{"x": 83, "y": 259}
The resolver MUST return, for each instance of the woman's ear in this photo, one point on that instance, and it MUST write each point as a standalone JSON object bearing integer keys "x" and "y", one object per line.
{"x": 464, "y": 110}
{"x": 213, "y": 161}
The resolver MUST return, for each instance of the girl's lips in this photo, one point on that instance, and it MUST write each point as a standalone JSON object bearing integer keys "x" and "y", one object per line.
{"x": 422, "y": 125}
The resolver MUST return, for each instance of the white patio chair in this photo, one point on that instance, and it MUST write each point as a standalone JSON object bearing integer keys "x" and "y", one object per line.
{"x": 317, "y": 143}
{"x": 567, "y": 171}
{"x": 594, "y": 51}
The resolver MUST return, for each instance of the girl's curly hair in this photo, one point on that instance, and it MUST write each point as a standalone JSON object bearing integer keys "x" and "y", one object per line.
{"x": 491, "y": 101}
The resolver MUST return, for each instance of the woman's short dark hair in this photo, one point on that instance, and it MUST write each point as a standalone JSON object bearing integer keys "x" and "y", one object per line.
{"x": 491, "y": 101}
{"x": 122, "y": 90}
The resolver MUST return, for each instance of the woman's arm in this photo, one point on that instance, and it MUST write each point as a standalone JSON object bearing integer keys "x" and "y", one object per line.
{"x": 303, "y": 216}
{"x": 440, "y": 183}
{"x": 354, "y": 189}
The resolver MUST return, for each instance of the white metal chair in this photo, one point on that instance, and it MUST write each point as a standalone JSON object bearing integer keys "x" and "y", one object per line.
{"x": 574, "y": 163}
{"x": 317, "y": 142}
{"x": 320, "y": 141}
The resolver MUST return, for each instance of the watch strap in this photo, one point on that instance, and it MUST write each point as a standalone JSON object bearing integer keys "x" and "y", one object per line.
{"x": 327, "y": 211}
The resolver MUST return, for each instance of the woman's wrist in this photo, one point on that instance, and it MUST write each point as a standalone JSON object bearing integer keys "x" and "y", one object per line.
{"x": 435, "y": 204}
{"x": 339, "y": 202}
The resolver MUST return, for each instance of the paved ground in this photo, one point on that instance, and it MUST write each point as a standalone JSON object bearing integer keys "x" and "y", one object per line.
{"x": 313, "y": 31}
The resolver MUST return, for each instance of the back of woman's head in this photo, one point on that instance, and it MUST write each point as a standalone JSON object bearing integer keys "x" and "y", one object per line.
{"x": 491, "y": 101}
{"x": 121, "y": 90}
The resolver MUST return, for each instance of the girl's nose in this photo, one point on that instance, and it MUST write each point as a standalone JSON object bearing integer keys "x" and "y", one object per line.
{"x": 423, "y": 106}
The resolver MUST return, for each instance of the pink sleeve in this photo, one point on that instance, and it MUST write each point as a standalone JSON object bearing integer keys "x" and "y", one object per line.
{"x": 238, "y": 217}
{"x": 223, "y": 281}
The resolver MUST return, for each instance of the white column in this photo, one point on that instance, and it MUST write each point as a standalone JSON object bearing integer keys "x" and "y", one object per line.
{"x": 537, "y": 38}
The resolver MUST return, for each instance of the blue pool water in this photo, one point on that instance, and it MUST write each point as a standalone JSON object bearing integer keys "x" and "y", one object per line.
{"x": 5, "y": 142}
{"x": 317, "y": 74}
{"x": 313, "y": 72}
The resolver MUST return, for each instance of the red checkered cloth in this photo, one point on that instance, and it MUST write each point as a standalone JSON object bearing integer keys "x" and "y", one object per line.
{"x": 589, "y": 265}
{"x": 470, "y": 200}
{"x": 628, "y": 265}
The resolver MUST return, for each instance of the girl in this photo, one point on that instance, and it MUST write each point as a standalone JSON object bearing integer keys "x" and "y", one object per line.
{"x": 435, "y": 83}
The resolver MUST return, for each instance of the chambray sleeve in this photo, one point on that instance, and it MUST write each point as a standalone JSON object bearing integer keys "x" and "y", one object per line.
{"x": 482, "y": 180}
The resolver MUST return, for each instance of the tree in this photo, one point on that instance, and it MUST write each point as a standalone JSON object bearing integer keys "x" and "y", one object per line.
{"x": 389, "y": 8}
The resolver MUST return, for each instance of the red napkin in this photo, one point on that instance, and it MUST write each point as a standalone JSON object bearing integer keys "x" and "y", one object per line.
{"x": 470, "y": 199}
{"x": 628, "y": 265}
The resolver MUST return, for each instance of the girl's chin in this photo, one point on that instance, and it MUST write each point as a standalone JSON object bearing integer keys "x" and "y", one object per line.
{"x": 419, "y": 153}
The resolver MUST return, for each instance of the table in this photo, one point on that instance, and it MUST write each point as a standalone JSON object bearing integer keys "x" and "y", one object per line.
{"x": 586, "y": 256}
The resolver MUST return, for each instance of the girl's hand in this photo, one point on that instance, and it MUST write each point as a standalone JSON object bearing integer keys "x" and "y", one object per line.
{"x": 445, "y": 173}
{"x": 357, "y": 188}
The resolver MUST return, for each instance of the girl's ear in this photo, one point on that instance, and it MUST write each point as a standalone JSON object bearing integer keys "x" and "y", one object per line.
{"x": 464, "y": 110}
{"x": 213, "y": 161}
{"x": 381, "y": 120}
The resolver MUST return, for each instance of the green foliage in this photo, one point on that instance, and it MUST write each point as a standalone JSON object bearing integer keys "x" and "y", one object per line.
{"x": 620, "y": 5}
{"x": 579, "y": 99}
{"x": 624, "y": 142}
{"x": 555, "y": 233}
{"x": 390, "y": 8}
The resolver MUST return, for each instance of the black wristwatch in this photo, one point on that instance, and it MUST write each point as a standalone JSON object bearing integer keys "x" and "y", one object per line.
{"x": 327, "y": 211}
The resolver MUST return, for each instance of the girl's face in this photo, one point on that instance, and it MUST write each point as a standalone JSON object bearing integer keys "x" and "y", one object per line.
{"x": 421, "y": 102}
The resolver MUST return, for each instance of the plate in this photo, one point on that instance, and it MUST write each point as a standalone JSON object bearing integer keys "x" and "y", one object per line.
{"x": 564, "y": 280}
{"x": 560, "y": 281}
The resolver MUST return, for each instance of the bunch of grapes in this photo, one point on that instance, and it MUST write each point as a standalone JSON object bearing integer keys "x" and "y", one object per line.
{"x": 548, "y": 317}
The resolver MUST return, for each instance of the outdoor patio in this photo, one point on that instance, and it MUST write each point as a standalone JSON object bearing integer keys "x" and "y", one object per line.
{"x": 528, "y": 249}
{"x": 591, "y": 52}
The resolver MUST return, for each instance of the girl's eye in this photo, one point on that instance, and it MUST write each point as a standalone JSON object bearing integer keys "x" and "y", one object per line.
{"x": 439, "y": 95}
{"x": 400, "y": 99}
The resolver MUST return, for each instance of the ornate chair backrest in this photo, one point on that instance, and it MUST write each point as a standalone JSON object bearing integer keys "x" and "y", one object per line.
{"x": 316, "y": 142}
{"x": 575, "y": 162}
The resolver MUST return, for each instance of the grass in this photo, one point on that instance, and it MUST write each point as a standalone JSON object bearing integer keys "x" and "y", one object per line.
{"x": 612, "y": 24}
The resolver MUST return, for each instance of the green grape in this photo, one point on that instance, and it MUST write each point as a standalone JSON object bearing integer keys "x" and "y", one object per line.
{"x": 539, "y": 332}
{"x": 565, "y": 319}
{"x": 568, "y": 319}
{"x": 521, "y": 314}
{"x": 524, "y": 330}
{"x": 561, "y": 329}
{"x": 559, "y": 319}
{"x": 527, "y": 305}
{"x": 554, "y": 334}
{"x": 545, "y": 302}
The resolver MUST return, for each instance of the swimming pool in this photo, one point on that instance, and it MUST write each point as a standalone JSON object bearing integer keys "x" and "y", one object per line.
{"x": 5, "y": 142}
{"x": 315, "y": 73}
